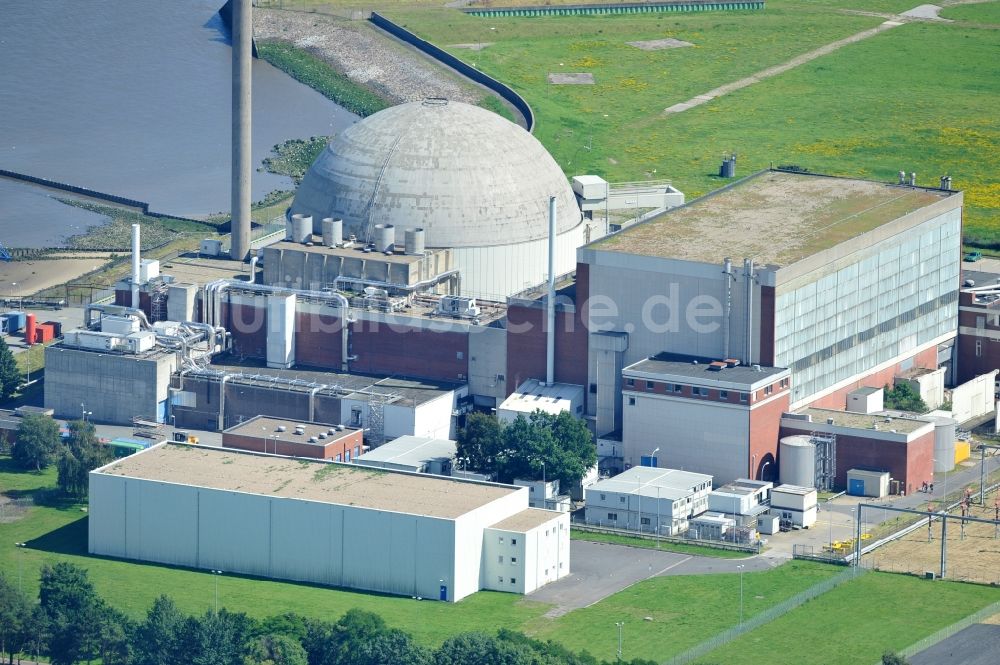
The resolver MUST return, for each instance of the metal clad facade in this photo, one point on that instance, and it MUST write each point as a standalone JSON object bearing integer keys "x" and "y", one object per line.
{"x": 288, "y": 538}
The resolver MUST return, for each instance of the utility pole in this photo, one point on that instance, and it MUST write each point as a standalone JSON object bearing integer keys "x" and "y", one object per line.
{"x": 620, "y": 624}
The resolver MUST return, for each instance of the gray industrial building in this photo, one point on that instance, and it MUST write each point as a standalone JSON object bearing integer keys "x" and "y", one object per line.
{"x": 417, "y": 454}
{"x": 327, "y": 523}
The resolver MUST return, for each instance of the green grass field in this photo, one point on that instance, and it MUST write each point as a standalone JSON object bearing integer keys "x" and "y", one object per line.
{"x": 684, "y": 611}
{"x": 987, "y": 12}
{"x": 921, "y": 97}
{"x": 858, "y": 621}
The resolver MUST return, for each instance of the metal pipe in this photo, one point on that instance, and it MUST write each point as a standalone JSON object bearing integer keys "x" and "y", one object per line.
{"x": 242, "y": 170}
{"x": 118, "y": 310}
{"x": 416, "y": 286}
{"x": 727, "y": 270}
{"x": 748, "y": 272}
{"x": 222, "y": 402}
{"x": 253, "y": 269}
{"x": 136, "y": 249}
{"x": 550, "y": 340}
{"x": 312, "y": 402}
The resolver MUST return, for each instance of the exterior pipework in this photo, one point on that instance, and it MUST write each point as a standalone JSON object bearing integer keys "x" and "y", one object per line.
{"x": 242, "y": 169}
{"x": 727, "y": 270}
{"x": 136, "y": 249}
{"x": 550, "y": 340}
{"x": 748, "y": 272}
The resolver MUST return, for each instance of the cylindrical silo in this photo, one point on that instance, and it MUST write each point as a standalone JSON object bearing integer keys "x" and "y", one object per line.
{"x": 29, "y": 329}
{"x": 414, "y": 241}
{"x": 289, "y": 228}
{"x": 302, "y": 228}
{"x": 333, "y": 232}
{"x": 797, "y": 461}
{"x": 944, "y": 443}
{"x": 385, "y": 237}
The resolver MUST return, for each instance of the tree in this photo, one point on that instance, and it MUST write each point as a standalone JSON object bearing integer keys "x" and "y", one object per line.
{"x": 157, "y": 639}
{"x": 83, "y": 454}
{"x": 115, "y": 637}
{"x": 10, "y": 375}
{"x": 558, "y": 447}
{"x": 38, "y": 442}
{"x": 217, "y": 638}
{"x": 481, "y": 649}
{"x": 480, "y": 441}
{"x": 14, "y": 613}
{"x": 392, "y": 647}
{"x": 73, "y": 611}
{"x": 276, "y": 650}
{"x": 903, "y": 398}
{"x": 332, "y": 643}
{"x": 893, "y": 658}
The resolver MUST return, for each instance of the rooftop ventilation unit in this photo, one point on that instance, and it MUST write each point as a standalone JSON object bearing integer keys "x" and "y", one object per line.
{"x": 300, "y": 430}
{"x": 280, "y": 428}
{"x": 458, "y": 306}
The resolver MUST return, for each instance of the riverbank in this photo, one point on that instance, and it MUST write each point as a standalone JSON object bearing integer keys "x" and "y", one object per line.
{"x": 365, "y": 57}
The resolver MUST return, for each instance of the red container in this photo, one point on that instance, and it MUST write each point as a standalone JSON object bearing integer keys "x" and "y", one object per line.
{"x": 44, "y": 332}
{"x": 29, "y": 329}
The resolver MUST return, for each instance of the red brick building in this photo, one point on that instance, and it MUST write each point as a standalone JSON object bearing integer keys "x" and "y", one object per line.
{"x": 295, "y": 439}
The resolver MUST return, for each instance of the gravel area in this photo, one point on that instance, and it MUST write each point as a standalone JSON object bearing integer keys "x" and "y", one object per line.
{"x": 366, "y": 56}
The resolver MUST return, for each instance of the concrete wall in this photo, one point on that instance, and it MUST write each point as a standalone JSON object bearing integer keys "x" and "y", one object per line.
{"x": 973, "y": 398}
{"x": 274, "y": 537}
{"x": 114, "y": 388}
{"x": 488, "y": 366}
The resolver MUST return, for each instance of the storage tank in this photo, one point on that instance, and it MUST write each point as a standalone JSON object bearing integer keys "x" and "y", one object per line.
{"x": 333, "y": 232}
{"x": 29, "y": 329}
{"x": 414, "y": 244}
{"x": 797, "y": 461}
{"x": 302, "y": 228}
{"x": 385, "y": 237}
{"x": 944, "y": 443}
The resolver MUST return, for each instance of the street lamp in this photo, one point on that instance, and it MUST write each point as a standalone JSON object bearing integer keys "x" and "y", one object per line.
{"x": 20, "y": 565}
{"x": 216, "y": 574}
{"x": 740, "y": 568}
{"x": 652, "y": 457}
{"x": 620, "y": 625}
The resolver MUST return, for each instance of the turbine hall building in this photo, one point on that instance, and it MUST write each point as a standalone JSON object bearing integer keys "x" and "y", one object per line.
{"x": 335, "y": 524}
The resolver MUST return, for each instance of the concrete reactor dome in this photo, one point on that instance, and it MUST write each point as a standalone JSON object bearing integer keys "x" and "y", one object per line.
{"x": 465, "y": 175}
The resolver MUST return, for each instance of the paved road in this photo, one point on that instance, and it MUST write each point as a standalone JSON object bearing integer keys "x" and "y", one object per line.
{"x": 979, "y": 644}
{"x": 600, "y": 570}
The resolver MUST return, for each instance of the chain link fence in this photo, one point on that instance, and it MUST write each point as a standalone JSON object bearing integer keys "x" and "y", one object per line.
{"x": 948, "y": 631}
{"x": 767, "y": 616}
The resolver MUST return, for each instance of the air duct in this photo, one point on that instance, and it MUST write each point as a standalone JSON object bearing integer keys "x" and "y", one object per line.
{"x": 749, "y": 274}
{"x": 727, "y": 270}
{"x": 550, "y": 304}
{"x": 136, "y": 250}
{"x": 242, "y": 169}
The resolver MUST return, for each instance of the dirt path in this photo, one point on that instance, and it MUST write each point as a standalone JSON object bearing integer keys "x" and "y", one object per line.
{"x": 782, "y": 68}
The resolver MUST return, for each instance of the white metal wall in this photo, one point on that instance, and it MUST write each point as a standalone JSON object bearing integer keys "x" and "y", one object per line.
{"x": 432, "y": 418}
{"x": 280, "y": 537}
{"x": 706, "y": 437}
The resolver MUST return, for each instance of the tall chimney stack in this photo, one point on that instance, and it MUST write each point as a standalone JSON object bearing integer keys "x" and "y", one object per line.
{"x": 242, "y": 170}
{"x": 550, "y": 305}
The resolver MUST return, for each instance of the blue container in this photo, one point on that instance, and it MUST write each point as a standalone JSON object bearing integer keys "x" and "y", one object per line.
{"x": 15, "y": 321}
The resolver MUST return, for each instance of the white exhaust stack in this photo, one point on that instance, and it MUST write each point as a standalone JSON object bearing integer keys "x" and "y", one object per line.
{"x": 242, "y": 170}
{"x": 550, "y": 342}
{"x": 135, "y": 265}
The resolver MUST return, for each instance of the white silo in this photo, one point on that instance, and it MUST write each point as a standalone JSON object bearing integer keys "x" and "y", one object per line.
{"x": 945, "y": 433}
{"x": 333, "y": 232}
{"x": 797, "y": 461}
{"x": 302, "y": 227}
{"x": 385, "y": 237}
{"x": 414, "y": 244}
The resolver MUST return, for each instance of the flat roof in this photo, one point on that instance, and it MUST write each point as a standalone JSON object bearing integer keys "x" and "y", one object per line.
{"x": 775, "y": 217}
{"x": 527, "y": 519}
{"x": 296, "y": 478}
{"x": 696, "y": 367}
{"x": 794, "y": 489}
{"x": 534, "y": 395}
{"x": 410, "y": 451}
{"x": 408, "y": 392}
{"x": 870, "y": 421}
{"x": 266, "y": 427}
{"x": 356, "y": 251}
{"x": 654, "y": 482}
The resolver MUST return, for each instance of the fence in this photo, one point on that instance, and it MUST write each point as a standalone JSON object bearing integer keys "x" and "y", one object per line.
{"x": 948, "y": 631}
{"x": 767, "y": 616}
{"x": 624, "y": 8}
{"x": 580, "y": 525}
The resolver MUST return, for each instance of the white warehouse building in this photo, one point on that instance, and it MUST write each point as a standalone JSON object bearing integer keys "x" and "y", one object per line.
{"x": 327, "y": 523}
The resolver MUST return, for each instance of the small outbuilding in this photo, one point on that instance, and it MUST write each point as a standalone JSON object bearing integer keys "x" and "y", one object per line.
{"x": 866, "y": 482}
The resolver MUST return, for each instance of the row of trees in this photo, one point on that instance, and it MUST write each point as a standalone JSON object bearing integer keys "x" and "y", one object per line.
{"x": 40, "y": 444}
{"x": 71, "y": 623}
{"x": 10, "y": 373}
{"x": 561, "y": 445}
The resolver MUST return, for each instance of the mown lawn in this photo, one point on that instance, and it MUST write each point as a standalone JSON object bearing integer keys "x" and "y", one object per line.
{"x": 683, "y": 611}
{"x": 987, "y": 12}
{"x": 921, "y": 97}
{"x": 858, "y": 621}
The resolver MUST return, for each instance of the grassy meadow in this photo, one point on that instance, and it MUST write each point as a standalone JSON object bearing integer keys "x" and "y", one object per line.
{"x": 921, "y": 97}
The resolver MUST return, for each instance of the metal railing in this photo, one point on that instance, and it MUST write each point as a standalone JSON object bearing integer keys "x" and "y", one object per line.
{"x": 767, "y": 616}
{"x": 579, "y": 525}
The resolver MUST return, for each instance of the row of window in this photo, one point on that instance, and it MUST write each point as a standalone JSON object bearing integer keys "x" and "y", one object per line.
{"x": 513, "y": 560}
{"x": 513, "y": 541}
{"x": 346, "y": 457}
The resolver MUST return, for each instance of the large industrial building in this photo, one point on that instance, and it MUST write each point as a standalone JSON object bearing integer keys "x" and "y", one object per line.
{"x": 335, "y": 524}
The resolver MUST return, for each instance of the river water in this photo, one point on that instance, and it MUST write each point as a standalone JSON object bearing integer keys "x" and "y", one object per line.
{"x": 132, "y": 97}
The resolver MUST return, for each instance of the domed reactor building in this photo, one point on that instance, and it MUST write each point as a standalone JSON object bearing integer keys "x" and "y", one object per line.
{"x": 433, "y": 196}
